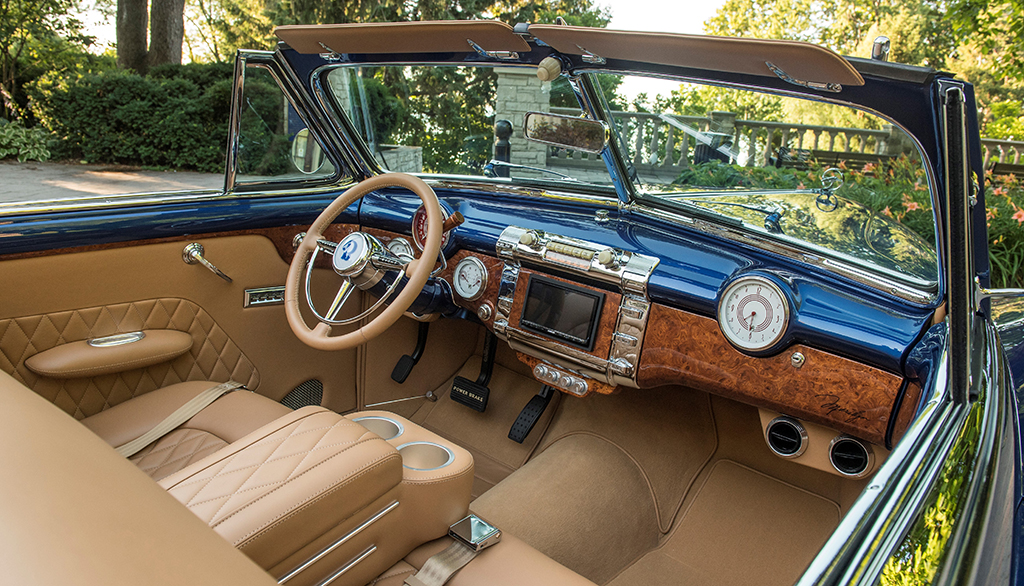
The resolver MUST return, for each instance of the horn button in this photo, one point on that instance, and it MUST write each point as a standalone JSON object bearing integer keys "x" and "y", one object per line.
{"x": 352, "y": 259}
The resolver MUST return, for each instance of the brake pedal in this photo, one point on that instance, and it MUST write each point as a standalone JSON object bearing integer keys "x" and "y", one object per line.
{"x": 475, "y": 394}
{"x": 530, "y": 414}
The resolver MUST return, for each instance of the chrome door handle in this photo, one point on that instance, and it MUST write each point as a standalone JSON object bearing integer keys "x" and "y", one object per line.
{"x": 193, "y": 254}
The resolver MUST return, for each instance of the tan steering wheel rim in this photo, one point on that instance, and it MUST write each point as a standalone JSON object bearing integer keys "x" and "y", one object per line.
{"x": 417, "y": 271}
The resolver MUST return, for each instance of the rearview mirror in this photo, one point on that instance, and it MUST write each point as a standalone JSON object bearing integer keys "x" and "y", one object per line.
{"x": 578, "y": 134}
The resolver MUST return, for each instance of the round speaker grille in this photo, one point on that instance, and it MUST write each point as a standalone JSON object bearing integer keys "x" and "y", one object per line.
{"x": 786, "y": 437}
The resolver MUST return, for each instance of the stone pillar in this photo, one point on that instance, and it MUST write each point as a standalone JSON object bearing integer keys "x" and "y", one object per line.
{"x": 723, "y": 122}
{"x": 519, "y": 91}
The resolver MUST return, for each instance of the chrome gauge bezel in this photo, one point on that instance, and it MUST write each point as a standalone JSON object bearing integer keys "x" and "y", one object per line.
{"x": 763, "y": 346}
{"x": 470, "y": 296}
{"x": 401, "y": 248}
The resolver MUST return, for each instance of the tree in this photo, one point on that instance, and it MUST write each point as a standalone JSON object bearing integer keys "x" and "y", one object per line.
{"x": 996, "y": 27}
{"x": 165, "y": 22}
{"x": 33, "y": 28}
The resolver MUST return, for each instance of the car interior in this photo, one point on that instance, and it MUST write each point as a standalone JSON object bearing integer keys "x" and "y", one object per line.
{"x": 346, "y": 449}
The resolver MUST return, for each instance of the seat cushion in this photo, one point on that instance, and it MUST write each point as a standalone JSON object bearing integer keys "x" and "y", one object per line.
{"x": 228, "y": 419}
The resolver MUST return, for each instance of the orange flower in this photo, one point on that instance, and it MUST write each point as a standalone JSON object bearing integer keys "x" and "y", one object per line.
{"x": 911, "y": 206}
{"x": 869, "y": 167}
{"x": 1019, "y": 216}
{"x": 887, "y": 211}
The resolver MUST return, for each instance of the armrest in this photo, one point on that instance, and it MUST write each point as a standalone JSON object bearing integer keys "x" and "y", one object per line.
{"x": 80, "y": 360}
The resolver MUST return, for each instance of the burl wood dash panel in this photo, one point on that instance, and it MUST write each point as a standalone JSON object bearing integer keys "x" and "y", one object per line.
{"x": 688, "y": 349}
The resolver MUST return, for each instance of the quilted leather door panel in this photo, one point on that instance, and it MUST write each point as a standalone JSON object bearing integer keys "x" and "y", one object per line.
{"x": 214, "y": 356}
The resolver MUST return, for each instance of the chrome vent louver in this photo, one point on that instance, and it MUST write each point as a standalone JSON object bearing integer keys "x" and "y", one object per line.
{"x": 849, "y": 456}
{"x": 786, "y": 437}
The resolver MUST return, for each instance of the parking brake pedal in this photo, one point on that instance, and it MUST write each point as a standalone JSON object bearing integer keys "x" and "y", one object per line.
{"x": 530, "y": 414}
{"x": 475, "y": 394}
{"x": 407, "y": 362}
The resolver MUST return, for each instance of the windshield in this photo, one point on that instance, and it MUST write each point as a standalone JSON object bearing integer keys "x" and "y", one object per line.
{"x": 828, "y": 179}
{"x": 463, "y": 121}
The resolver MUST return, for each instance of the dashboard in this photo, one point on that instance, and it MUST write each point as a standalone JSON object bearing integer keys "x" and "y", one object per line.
{"x": 579, "y": 313}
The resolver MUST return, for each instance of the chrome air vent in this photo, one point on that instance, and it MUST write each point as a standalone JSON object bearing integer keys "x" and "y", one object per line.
{"x": 786, "y": 437}
{"x": 850, "y": 456}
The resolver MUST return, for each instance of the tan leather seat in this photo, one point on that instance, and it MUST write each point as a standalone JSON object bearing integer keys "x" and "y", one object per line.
{"x": 227, "y": 420}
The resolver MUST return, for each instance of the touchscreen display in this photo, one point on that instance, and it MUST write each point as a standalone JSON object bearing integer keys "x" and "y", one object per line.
{"x": 562, "y": 311}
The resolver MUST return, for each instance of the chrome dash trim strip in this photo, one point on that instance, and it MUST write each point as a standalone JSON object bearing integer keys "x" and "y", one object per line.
{"x": 338, "y": 544}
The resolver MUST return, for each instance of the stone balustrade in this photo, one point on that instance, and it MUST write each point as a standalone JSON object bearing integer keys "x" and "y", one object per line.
{"x": 1001, "y": 151}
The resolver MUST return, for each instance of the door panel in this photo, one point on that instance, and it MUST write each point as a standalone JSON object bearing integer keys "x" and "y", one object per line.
{"x": 44, "y": 292}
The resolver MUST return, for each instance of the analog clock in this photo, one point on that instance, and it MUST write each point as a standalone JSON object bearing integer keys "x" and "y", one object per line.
{"x": 753, "y": 313}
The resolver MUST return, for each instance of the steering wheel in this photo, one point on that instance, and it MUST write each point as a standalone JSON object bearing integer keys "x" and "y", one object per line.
{"x": 357, "y": 259}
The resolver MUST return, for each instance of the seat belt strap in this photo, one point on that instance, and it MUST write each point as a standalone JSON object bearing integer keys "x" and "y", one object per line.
{"x": 441, "y": 567}
{"x": 472, "y": 535}
{"x": 180, "y": 415}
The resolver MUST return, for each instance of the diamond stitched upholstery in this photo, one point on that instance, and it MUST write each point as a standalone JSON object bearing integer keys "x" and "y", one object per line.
{"x": 213, "y": 355}
{"x": 175, "y": 451}
{"x": 237, "y": 480}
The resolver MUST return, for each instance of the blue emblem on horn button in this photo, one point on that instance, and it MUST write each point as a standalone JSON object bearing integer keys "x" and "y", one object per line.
{"x": 351, "y": 253}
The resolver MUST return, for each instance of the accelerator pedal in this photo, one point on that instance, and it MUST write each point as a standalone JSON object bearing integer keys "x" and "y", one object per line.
{"x": 408, "y": 361}
{"x": 475, "y": 394}
{"x": 530, "y": 414}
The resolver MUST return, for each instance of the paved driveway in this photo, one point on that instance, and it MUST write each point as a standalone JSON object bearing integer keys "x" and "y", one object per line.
{"x": 41, "y": 181}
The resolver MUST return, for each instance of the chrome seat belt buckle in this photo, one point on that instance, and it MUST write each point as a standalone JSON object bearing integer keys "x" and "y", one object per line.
{"x": 475, "y": 533}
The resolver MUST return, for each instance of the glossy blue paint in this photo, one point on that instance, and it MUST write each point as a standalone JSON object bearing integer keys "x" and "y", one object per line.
{"x": 56, "y": 230}
{"x": 828, "y": 312}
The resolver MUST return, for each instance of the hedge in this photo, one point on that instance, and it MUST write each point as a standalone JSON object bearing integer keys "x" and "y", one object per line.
{"x": 175, "y": 117}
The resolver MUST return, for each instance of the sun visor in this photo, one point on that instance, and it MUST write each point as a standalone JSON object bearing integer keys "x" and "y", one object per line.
{"x": 800, "y": 62}
{"x": 402, "y": 37}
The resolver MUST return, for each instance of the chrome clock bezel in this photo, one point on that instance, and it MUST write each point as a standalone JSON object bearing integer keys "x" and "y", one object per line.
{"x": 470, "y": 260}
{"x": 760, "y": 347}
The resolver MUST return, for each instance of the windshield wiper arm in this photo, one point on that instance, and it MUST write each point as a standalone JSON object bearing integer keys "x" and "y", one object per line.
{"x": 489, "y": 169}
{"x": 771, "y": 218}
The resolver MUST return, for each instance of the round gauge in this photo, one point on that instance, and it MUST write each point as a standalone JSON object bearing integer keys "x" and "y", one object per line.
{"x": 753, "y": 313}
{"x": 401, "y": 248}
{"x": 419, "y": 227}
{"x": 470, "y": 278}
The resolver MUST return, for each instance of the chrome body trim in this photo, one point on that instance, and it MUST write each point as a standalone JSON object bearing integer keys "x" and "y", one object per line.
{"x": 338, "y": 544}
{"x": 348, "y": 566}
{"x": 117, "y": 339}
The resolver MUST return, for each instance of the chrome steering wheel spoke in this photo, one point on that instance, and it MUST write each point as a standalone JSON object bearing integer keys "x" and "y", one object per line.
{"x": 339, "y": 300}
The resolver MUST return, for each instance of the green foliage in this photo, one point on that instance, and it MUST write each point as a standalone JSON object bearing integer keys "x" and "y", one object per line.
{"x": 1006, "y": 120}
{"x": 263, "y": 146}
{"x": 36, "y": 36}
{"x": 996, "y": 27}
{"x": 23, "y": 143}
{"x": 156, "y": 121}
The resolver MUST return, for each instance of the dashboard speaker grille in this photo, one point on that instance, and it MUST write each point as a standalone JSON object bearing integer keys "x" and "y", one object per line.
{"x": 786, "y": 437}
{"x": 308, "y": 393}
{"x": 849, "y": 456}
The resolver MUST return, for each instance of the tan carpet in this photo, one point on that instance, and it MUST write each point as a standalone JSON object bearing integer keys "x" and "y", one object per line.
{"x": 742, "y": 528}
{"x": 583, "y": 502}
{"x": 485, "y": 434}
{"x": 669, "y": 431}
